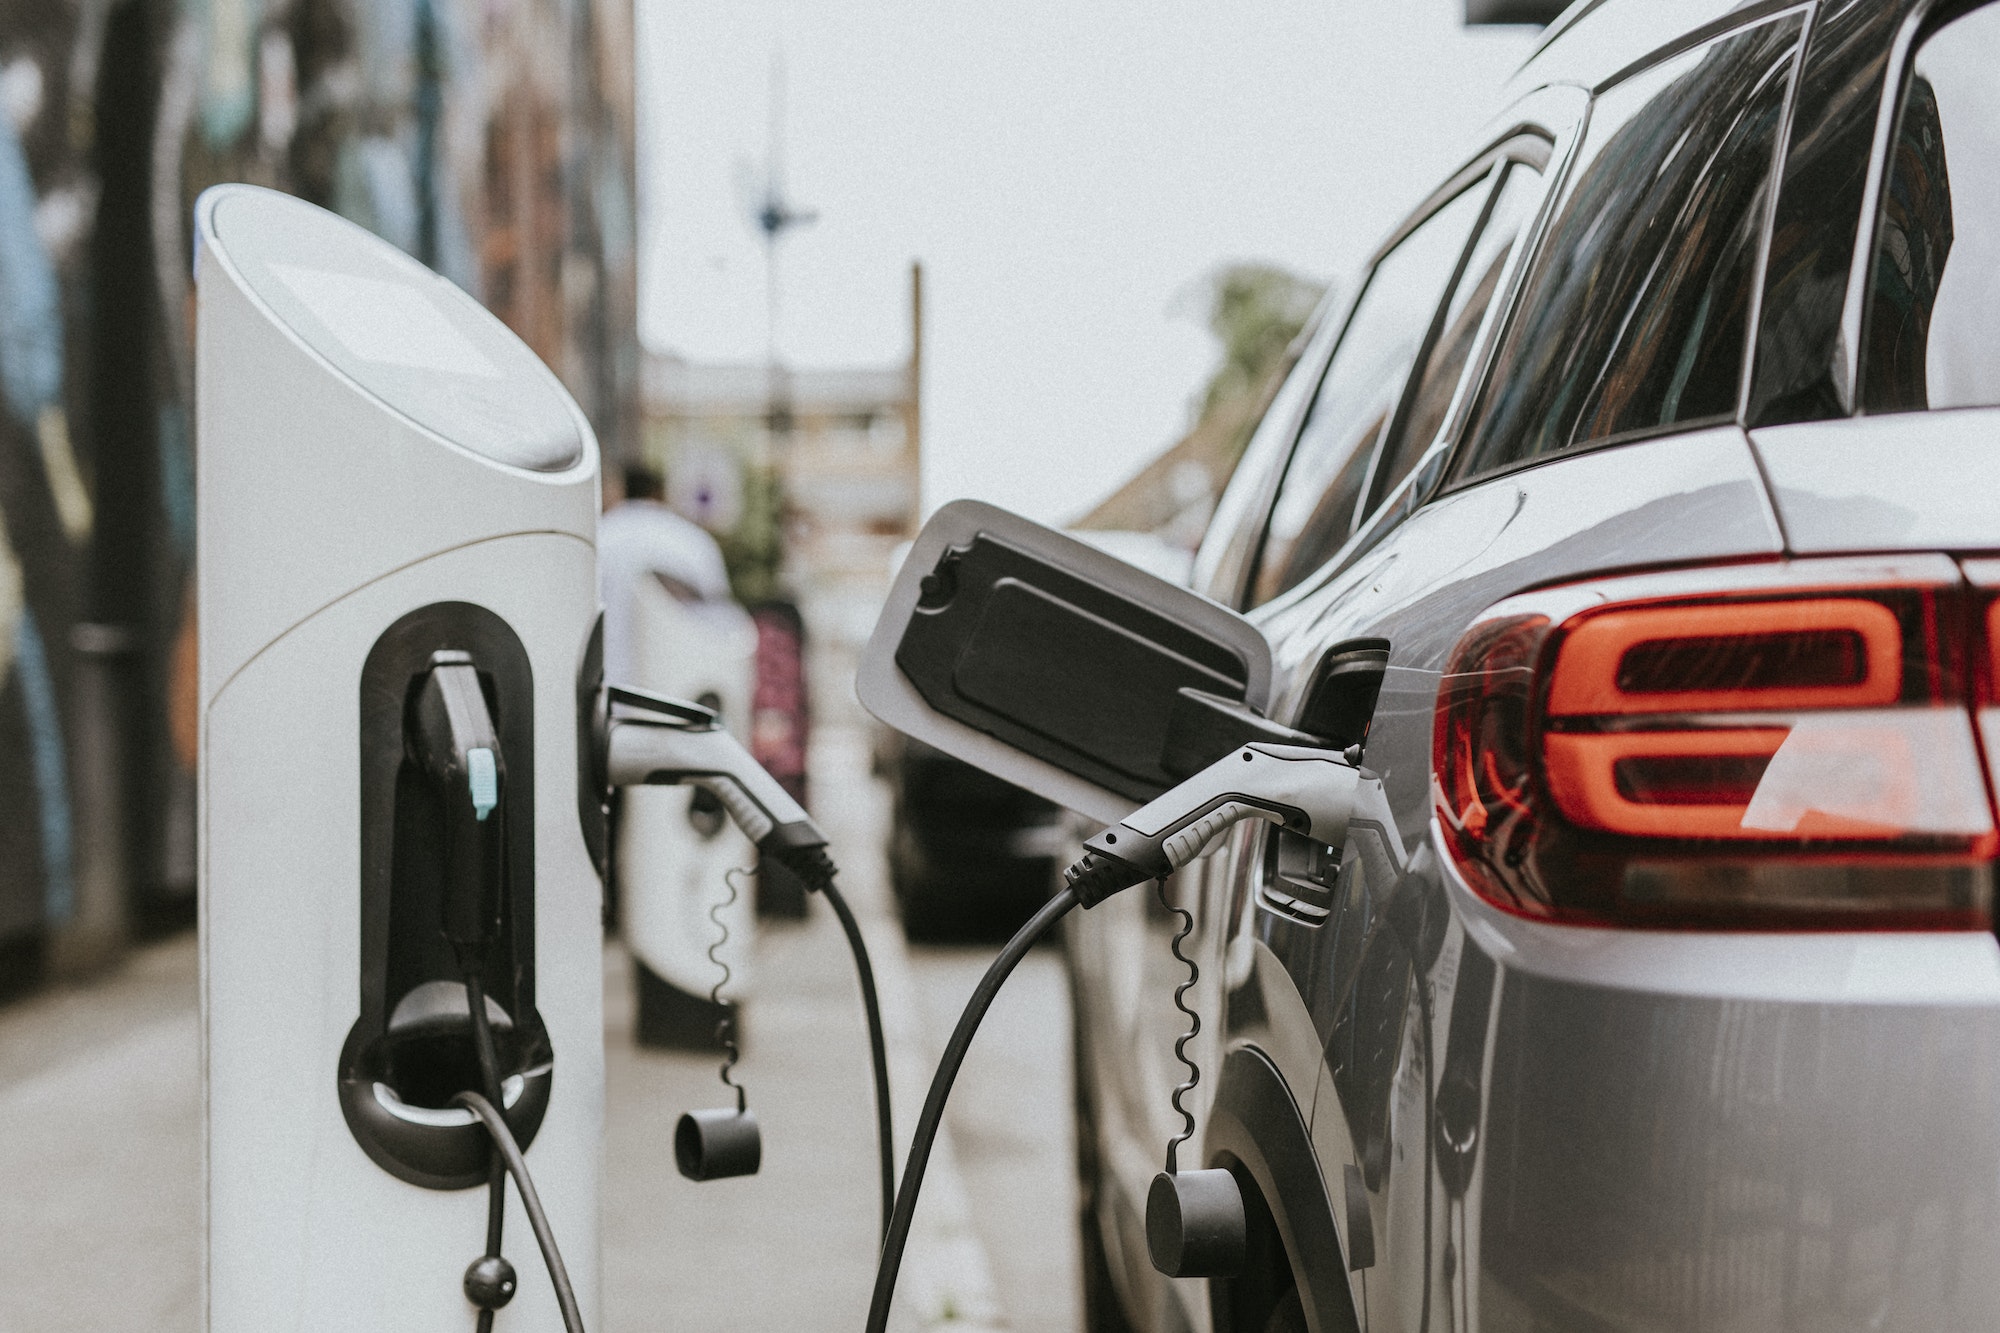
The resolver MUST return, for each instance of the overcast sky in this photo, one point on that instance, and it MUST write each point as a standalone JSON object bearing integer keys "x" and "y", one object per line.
{"x": 1067, "y": 171}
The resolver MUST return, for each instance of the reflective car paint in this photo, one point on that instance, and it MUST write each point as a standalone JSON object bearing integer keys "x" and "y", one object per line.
{"x": 1601, "y": 41}
{"x": 1917, "y": 481}
{"x": 1385, "y": 1015}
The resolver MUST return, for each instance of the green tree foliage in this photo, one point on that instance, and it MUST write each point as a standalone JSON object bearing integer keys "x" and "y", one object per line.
{"x": 1254, "y": 311}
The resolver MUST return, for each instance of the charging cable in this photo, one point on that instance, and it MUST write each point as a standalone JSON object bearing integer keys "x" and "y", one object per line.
{"x": 878, "y": 1051}
{"x": 490, "y": 1282}
{"x": 517, "y": 1166}
{"x": 932, "y": 1117}
{"x": 658, "y": 741}
{"x": 725, "y": 1026}
{"x": 1306, "y": 790}
{"x": 1193, "y": 1079}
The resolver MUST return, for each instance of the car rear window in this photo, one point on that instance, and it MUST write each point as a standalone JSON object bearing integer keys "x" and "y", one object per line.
{"x": 1934, "y": 300}
{"x": 1635, "y": 314}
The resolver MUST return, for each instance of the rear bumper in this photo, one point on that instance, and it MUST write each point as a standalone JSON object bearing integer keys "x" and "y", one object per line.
{"x": 1710, "y": 1132}
{"x": 1659, "y": 1161}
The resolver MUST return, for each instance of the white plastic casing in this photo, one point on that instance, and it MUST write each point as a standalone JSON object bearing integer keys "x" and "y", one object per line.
{"x": 369, "y": 441}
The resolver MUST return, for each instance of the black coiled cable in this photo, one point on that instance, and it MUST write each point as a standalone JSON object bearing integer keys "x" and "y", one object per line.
{"x": 1193, "y": 1079}
{"x": 725, "y": 1026}
{"x": 933, "y": 1114}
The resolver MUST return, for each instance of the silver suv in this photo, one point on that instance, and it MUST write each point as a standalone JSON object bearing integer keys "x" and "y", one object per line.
{"x": 1640, "y": 520}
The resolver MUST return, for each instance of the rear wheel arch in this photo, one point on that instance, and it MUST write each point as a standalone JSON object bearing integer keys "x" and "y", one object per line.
{"x": 1256, "y": 1130}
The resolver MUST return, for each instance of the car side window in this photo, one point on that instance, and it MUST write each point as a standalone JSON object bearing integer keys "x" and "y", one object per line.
{"x": 1324, "y": 482}
{"x": 1227, "y": 548}
{"x": 1635, "y": 315}
{"x": 1936, "y": 285}
{"x": 1457, "y": 327}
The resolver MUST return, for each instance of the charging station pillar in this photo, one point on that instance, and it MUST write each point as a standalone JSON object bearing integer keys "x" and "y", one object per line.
{"x": 386, "y": 477}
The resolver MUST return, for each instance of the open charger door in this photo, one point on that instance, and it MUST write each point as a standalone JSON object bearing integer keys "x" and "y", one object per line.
{"x": 1059, "y": 668}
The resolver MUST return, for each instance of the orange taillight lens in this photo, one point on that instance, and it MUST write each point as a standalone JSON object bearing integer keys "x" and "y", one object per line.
{"x": 1675, "y": 750}
{"x": 1815, "y": 652}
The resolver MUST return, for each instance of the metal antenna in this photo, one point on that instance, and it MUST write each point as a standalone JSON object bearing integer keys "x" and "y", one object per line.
{"x": 775, "y": 215}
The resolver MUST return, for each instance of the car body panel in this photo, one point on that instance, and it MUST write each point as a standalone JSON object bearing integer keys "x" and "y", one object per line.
{"x": 1383, "y": 999}
{"x": 1917, "y": 481}
{"x": 1706, "y": 1162}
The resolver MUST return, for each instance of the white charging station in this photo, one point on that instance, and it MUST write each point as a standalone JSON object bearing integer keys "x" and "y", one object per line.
{"x": 385, "y": 473}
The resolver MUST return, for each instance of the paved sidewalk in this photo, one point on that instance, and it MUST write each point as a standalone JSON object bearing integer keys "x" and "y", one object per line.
{"x": 101, "y": 1154}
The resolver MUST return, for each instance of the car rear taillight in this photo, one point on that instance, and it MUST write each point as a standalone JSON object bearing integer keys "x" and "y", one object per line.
{"x": 1760, "y": 746}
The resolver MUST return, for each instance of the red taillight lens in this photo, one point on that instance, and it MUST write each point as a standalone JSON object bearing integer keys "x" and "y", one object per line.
{"x": 1815, "y": 652}
{"x": 1776, "y": 746}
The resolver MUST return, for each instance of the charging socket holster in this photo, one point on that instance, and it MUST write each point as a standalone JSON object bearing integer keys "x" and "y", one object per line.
{"x": 411, "y": 1049}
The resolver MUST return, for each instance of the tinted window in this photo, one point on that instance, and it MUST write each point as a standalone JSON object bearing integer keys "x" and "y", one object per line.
{"x": 1936, "y": 290}
{"x": 1458, "y": 326}
{"x": 1636, "y": 313}
{"x": 1231, "y": 539}
{"x": 1322, "y": 486}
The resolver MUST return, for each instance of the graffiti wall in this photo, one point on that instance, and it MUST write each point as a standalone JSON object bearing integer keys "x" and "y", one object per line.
{"x": 47, "y": 195}
{"x": 491, "y": 139}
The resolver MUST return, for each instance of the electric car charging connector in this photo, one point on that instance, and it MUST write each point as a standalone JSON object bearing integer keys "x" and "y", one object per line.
{"x": 1194, "y": 1218}
{"x": 650, "y": 740}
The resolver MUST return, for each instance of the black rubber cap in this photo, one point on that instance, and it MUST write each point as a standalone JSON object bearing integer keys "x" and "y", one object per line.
{"x": 718, "y": 1144}
{"x": 1194, "y": 1224}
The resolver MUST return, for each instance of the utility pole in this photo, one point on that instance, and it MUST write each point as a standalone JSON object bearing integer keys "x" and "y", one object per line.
{"x": 775, "y": 216}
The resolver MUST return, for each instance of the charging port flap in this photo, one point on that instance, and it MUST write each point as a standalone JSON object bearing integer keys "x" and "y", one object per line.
{"x": 1051, "y": 664}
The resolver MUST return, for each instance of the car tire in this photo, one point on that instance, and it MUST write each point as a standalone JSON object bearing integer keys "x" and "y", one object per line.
{"x": 1103, "y": 1312}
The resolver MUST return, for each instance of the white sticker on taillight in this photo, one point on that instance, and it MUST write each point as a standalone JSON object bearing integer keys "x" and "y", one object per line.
{"x": 1884, "y": 774}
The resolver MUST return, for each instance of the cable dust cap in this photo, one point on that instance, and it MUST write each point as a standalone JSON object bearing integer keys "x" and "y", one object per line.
{"x": 717, "y": 1144}
{"x": 1195, "y": 1225}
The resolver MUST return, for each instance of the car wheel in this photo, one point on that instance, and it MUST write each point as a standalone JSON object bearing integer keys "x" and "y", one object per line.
{"x": 1102, "y": 1310}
